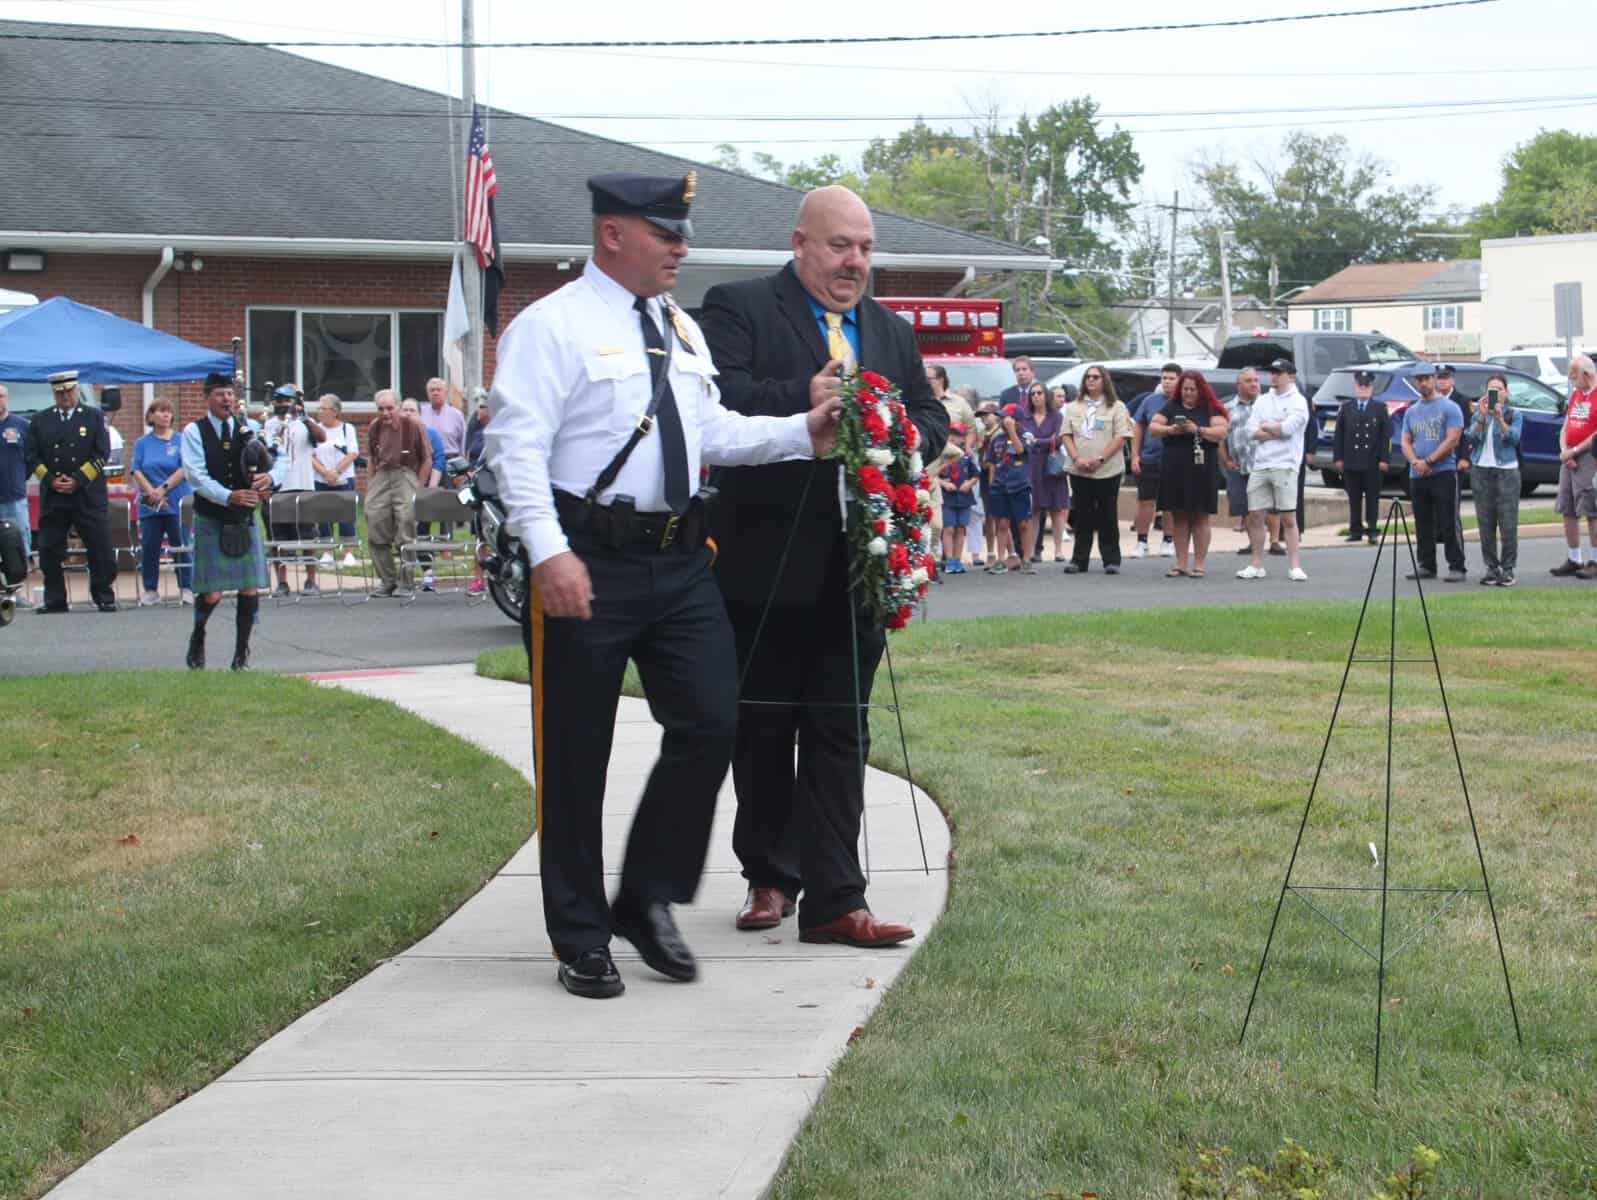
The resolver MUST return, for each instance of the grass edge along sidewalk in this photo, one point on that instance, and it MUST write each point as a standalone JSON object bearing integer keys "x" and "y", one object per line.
{"x": 1125, "y": 789}
{"x": 191, "y": 863}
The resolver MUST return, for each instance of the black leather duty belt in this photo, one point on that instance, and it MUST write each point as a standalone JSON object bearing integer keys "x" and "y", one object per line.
{"x": 622, "y": 527}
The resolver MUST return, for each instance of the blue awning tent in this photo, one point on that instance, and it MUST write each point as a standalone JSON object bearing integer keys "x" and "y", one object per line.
{"x": 63, "y": 335}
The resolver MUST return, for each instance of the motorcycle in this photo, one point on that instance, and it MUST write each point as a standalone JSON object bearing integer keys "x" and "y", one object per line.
{"x": 504, "y": 566}
{"x": 13, "y": 570}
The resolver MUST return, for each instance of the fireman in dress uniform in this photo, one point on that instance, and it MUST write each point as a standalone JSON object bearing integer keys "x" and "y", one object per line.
{"x": 604, "y": 407}
{"x": 1360, "y": 450}
{"x": 67, "y": 449}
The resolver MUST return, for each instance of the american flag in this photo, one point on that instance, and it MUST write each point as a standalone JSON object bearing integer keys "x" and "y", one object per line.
{"x": 480, "y": 188}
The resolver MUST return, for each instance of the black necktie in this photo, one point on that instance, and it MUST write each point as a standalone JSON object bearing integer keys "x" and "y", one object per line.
{"x": 673, "y": 446}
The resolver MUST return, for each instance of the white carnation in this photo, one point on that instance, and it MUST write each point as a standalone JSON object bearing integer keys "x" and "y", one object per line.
{"x": 916, "y": 463}
{"x": 880, "y": 458}
{"x": 878, "y": 547}
{"x": 919, "y": 576}
{"x": 923, "y": 496}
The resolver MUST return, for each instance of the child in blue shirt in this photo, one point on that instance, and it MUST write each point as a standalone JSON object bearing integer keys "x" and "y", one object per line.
{"x": 958, "y": 482}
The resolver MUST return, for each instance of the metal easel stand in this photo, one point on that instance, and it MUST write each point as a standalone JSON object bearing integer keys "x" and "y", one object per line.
{"x": 858, "y": 706}
{"x": 1396, "y": 518}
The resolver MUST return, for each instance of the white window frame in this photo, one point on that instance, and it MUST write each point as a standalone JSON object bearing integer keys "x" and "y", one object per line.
{"x": 1444, "y": 318}
{"x": 1333, "y": 320}
{"x": 350, "y": 310}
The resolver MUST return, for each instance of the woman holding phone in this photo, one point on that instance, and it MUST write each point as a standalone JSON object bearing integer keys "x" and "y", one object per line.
{"x": 1492, "y": 436}
{"x": 1191, "y": 428}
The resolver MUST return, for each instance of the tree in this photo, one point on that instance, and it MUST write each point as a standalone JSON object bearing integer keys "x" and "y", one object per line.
{"x": 1549, "y": 186}
{"x": 1319, "y": 210}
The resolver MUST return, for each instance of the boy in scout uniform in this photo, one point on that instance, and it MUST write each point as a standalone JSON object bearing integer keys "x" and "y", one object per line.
{"x": 67, "y": 449}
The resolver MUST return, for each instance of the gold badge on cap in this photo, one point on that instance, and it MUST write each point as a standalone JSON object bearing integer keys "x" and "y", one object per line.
{"x": 690, "y": 187}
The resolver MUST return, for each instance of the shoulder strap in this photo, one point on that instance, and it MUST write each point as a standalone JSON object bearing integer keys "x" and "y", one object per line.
{"x": 645, "y": 422}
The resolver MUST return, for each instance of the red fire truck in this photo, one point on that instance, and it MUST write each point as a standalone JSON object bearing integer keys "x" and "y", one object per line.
{"x": 963, "y": 336}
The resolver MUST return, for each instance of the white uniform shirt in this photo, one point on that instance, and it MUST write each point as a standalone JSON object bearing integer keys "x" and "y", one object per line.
{"x": 291, "y": 443}
{"x": 1292, "y": 410}
{"x": 572, "y": 382}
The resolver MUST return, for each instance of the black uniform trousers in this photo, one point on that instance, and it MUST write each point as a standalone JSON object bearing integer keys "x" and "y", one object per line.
{"x": 89, "y": 518}
{"x": 798, "y": 825}
{"x": 1435, "y": 499}
{"x": 1096, "y": 511}
{"x": 1363, "y": 488}
{"x": 663, "y": 610}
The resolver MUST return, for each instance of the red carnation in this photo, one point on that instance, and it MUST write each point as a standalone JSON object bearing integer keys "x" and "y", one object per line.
{"x": 904, "y": 499}
{"x": 874, "y": 426}
{"x": 905, "y": 612}
{"x": 879, "y": 526}
{"x": 872, "y": 480}
{"x": 911, "y": 435}
{"x": 929, "y": 563}
{"x": 898, "y": 558}
{"x": 876, "y": 381}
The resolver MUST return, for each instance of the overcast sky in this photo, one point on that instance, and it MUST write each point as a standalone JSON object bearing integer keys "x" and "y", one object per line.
{"x": 1179, "y": 92}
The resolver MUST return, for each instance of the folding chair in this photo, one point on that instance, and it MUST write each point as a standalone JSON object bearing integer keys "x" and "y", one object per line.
{"x": 124, "y": 532}
{"x": 327, "y": 510}
{"x": 293, "y": 552}
{"x": 437, "y": 505}
{"x": 182, "y": 556}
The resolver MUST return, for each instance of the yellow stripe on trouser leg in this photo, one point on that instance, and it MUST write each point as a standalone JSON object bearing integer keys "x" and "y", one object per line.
{"x": 532, "y": 636}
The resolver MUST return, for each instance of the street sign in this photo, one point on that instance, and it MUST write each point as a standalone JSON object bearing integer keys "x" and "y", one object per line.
{"x": 1566, "y": 311}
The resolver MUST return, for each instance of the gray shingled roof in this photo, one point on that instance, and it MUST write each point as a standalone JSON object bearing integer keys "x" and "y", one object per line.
{"x": 236, "y": 140}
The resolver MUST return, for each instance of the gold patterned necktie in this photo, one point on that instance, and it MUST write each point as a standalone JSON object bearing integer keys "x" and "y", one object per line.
{"x": 836, "y": 344}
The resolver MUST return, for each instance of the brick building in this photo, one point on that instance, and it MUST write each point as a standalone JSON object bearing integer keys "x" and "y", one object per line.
{"x": 225, "y": 190}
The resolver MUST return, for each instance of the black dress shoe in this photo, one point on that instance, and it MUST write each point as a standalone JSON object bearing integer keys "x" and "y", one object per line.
{"x": 195, "y": 658}
{"x": 1074, "y": 568}
{"x": 241, "y": 662}
{"x": 106, "y": 605}
{"x": 1422, "y": 573}
{"x": 653, "y": 933}
{"x": 592, "y": 974}
{"x": 48, "y": 609}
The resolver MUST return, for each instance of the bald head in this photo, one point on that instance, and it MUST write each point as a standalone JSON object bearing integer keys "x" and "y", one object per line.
{"x": 1583, "y": 370}
{"x": 832, "y": 244}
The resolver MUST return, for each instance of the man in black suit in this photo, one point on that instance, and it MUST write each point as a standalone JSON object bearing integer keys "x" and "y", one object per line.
{"x": 1360, "y": 450}
{"x": 779, "y": 344}
{"x": 67, "y": 449}
{"x": 1024, "y": 374}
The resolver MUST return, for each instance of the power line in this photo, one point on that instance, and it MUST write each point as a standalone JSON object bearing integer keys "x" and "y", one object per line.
{"x": 864, "y": 40}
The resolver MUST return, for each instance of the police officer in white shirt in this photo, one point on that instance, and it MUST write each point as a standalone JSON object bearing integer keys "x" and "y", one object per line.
{"x": 604, "y": 407}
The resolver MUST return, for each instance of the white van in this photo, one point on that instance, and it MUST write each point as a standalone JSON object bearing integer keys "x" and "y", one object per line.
{"x": 1546, "y": 362}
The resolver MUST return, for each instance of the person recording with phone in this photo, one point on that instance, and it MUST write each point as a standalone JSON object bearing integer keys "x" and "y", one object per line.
{"x": 1493, "y": 447}
{"x": 293, "y": 437}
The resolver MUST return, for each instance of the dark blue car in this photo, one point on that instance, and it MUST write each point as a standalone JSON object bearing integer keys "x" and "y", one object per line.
{"x": 1542, "y": 406}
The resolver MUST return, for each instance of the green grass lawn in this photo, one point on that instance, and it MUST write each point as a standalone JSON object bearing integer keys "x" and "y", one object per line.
{"x": 189, "y": 863}
{"x": 1527, "y": 516}
{"x": 1125, "y": 790}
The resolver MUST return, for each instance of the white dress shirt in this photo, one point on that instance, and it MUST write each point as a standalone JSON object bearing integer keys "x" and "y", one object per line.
{"x": 1292, "y": 411}
{"x": 572, "y": 383}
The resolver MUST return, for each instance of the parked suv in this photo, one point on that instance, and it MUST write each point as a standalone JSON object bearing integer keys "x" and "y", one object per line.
{"x": 1542, "y": 406}
{"x": 1547, "y": 363}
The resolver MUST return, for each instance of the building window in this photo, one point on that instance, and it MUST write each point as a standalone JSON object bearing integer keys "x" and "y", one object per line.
{"x": 352, "y": 353}
{"x": 1444, "y": 317}
{"x": 1333, "y": 320}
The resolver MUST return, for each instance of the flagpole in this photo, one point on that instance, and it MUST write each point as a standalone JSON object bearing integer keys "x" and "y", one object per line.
{"x": 471, "y": 273}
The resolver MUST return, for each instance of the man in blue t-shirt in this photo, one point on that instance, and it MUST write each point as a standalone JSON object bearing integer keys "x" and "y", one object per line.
{"x": 1432, "y": 427}
{"x": 14, "y": 474}
{"x": 1147, "y": 455}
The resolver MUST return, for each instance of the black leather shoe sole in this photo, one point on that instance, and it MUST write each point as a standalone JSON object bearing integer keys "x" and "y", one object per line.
{"x": 667, "y": 962}
{"x": 47, "y": 610}
{"x": 195, "y": 658}
{"x": 590, "y": 987}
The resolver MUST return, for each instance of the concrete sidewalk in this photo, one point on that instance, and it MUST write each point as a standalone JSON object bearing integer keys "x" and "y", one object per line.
{"x": 460, "y": 1068}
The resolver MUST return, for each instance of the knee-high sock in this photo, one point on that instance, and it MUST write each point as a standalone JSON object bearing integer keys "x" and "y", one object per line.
{"x": 202, "y": 612}
{"x": 247, "y": 606}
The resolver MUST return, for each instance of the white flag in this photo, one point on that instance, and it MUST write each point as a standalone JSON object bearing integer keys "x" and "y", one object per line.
{"x": 456, "y": 326}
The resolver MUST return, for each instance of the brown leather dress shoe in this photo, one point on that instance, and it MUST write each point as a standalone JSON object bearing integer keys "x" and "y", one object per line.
{"x": 764, "y": 908}
{"x": 859, "y": 928}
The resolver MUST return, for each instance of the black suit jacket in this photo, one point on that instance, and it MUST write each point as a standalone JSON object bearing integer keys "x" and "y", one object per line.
{"x": 767, "y": 346}
{"x": 77, "y": 446}
{"x": 1362, "y": 443}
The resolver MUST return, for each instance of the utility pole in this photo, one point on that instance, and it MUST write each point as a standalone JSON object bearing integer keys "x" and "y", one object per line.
{"x": 1170, "y": 324}
{"x": 1225, "y": 291}
{"x": 470, "y": 272}
{"x": 1275, "y": 285}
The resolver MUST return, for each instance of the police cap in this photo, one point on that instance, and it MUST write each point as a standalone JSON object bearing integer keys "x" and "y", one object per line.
{"x": 658, "y": 199}
{"x": 1445, "y": 369}
{"x": 1366, "y": 378}
{"x": 62, "y": 380}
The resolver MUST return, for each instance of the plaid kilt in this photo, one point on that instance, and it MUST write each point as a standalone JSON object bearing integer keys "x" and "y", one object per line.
{"x": 215, "y": 571}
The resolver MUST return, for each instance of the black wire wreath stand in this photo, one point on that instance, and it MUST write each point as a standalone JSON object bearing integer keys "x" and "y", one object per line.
{"x": 857, "y": 704}
{"x": 1396, "y": 518}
